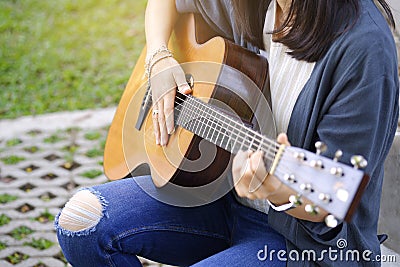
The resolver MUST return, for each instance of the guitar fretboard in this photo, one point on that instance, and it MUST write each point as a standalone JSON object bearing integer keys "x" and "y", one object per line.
{"x": 225, "y": 131}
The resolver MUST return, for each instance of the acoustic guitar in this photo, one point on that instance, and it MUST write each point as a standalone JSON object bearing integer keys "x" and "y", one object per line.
{"x": 228, "y": 111}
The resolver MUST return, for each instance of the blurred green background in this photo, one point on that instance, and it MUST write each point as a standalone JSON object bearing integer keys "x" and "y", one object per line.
{"x": 66, "y": 54}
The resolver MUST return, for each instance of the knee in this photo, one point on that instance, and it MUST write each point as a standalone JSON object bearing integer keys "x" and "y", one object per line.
{"x": 80, "y": 214}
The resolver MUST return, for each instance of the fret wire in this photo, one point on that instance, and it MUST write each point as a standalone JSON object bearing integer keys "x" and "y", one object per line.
{"x": 209, "y": 128}
{"x": 268, "y": 153}
{"x": 205, "y": 115}
{"x": 188, "y": 119}
{"x": 229, "y": 138}
{"x": 197, "y": 120}
{"x": 252, "y": 141}
{"x": 226, "y": 130}
{"x": 259, "y": 146}
{"x": 235, "y": 142}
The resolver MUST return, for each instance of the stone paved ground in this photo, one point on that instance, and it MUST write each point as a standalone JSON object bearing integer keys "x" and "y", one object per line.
{"x": 43, "y": 161}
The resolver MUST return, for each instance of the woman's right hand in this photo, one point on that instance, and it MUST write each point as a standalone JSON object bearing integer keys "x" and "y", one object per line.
{"x": 166, "y": 77}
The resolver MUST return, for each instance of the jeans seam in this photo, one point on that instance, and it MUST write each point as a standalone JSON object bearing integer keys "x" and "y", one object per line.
{"x": 179, "y": 229}
{"x": 233, "y": 228}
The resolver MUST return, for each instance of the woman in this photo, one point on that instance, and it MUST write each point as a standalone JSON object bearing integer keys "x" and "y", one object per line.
{"x": 334, "y": 78}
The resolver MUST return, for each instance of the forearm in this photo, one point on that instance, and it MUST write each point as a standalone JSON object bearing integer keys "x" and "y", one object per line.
{"x": 159, "y": 23}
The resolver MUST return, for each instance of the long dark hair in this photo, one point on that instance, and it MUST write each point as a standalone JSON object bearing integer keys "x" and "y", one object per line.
{"x": 313, "y": 24}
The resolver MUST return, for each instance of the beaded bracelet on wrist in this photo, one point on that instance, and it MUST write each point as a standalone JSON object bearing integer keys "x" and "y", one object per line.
{"x": 149, "y": 60}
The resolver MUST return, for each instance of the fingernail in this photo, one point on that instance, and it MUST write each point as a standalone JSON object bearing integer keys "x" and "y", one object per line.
{"x": 157, "y": 142}
{"x": 185, "y": 90}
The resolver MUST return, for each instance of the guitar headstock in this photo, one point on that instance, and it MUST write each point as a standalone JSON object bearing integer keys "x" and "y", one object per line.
{"x": 327, "y": 183}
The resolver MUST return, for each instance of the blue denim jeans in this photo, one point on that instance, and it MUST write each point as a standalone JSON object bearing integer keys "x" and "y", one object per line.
{"x": 222, "y": 233}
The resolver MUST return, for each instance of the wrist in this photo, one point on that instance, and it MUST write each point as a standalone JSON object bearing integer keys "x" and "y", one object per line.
{"x": 156, "y": 56}
{"x": 153, "y": 47}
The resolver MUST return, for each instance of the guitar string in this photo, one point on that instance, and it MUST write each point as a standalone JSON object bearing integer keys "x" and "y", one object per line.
{"x": 238, "y": 124}
{"x": 269, "y": 152}
{"x": 263, "y": 140}
{"x": 252, "y": 145}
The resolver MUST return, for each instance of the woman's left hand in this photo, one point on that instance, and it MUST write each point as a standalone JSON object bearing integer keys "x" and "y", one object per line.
{"x": 250, "y": 176}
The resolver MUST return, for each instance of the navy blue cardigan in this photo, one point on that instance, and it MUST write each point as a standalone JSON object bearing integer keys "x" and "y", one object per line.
{"x": 350, "y": 103}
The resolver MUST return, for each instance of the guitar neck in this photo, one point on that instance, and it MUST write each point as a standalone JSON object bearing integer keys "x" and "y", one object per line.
{"x": 220, "y": 128}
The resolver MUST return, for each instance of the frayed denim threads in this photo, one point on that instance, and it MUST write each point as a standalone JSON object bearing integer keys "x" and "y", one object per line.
{"x": 74, "y": 211}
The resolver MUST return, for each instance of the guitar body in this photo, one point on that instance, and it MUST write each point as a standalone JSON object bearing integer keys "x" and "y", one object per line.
{"x": 181, "y": 161}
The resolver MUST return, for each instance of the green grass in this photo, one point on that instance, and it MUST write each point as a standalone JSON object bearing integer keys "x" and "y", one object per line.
{"x": 4, "y": 219}
{"x": 16, "y": 258}
{"x": 66, "y": 54}
{"x": 12, "y": 160}
{"x": 93, "y": 136}
{"x": 92, "y": 153}
{"x": 91, "y": 174}
{"x": 52, "y": 139}
{"x": 21, "y": 232}
{"x": 15, "y": 141}
{"x": 45, "y": 217}
{"x": 40, "y": 243}
{"x": 6, "y": 198}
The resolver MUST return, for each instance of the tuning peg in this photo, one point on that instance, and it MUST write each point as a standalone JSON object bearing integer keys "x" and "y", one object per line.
{"x": 358, "y": 162}
{"x": 337, "y": 171}
{"x": 311, "y": 209}
{"x": 317, "y": 164}
{"x": 326, "y": 198}
{"x": 296, "y": 200}
{"x": 300, "y": 156}
{"x": 338, "y": 155}
{"x": 331, "y": 221}
{"x": 290, "y": 178}
{"x": 321, "y": 147}
{"x": 307, "y": 188}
